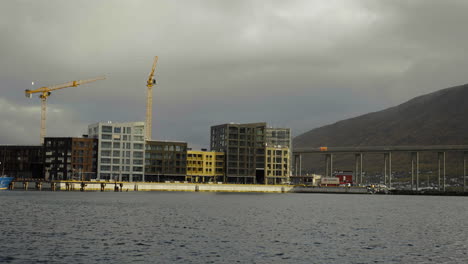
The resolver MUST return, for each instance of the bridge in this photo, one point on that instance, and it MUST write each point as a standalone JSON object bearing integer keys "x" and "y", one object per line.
{"x": 387, "y": 151}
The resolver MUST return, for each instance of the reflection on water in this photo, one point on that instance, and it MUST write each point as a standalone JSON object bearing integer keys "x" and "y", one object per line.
{"x": 165, "y": 227}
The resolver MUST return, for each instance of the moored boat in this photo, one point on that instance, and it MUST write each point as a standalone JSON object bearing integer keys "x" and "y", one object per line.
{"x": 5, "y": 182}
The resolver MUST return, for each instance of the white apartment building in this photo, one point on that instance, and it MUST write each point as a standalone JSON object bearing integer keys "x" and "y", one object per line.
{"x": 121, "y": 151}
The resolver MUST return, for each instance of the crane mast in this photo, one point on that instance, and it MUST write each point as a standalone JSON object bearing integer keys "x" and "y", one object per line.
{"x": 45, "y": 92}
{"x": 149, "y": 100}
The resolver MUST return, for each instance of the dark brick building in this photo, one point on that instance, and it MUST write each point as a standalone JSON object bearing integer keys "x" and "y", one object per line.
{"x": 165, "y": 160}
{"x": 22, "y": 161}
{"x": 68, "y": 158}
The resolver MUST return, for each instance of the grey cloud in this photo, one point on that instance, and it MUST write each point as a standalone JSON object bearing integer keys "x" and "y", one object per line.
{"x": 291, "y": 63}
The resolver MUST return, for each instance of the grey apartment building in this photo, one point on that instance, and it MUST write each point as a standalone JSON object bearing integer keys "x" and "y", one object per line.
{"x": 244, "y": 146}
{"x": 121, "y": 150}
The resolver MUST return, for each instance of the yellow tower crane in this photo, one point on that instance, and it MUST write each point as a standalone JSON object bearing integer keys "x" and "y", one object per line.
{"x": 149, "y": 100}
{"x": 45, "y": 92}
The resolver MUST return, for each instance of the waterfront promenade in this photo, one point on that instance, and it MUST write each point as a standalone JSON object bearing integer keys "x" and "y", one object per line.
{"x": 180, "y": 187}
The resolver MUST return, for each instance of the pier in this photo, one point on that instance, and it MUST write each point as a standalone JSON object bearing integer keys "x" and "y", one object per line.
{"x": 108, "y": 186}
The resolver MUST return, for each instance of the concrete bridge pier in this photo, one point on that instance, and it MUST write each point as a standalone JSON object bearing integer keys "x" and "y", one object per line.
{"x": 441, "y": 159}
{"x": 328, "y": 165}
{"x": 387, "y": 168}
{"x": 415, "y": 159}
{"x": 358, "y": 167}
{"x": 390, "y": 170}
{"x": 298, "y": 165}
{"x": 464, "y": 171}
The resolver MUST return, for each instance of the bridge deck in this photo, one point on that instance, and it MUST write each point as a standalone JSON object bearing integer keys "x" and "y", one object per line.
{"x": 382, "y": 149}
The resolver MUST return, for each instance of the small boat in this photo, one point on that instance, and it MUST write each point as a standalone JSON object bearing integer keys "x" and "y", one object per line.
{"x": 5, "y": 182}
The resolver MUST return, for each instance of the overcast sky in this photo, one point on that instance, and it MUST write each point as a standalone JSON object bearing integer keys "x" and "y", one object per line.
{"x": 297, "y": 64}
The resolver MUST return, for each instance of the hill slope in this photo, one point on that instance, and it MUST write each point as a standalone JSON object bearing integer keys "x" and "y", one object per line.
{"x": 432, "y": 119}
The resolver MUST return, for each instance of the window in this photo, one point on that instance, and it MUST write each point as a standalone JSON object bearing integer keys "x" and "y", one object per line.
{"x": 106, "y": 144}
{"x": 117, "y": 129}
{"x": 105, "y": 168}
{"x": 107, "y": 129}
{"x": 106, "y": 136}
{"x": 105, "y": 160}
{"x": 105, "y": 153}
{"x": 139, "y": 130}
{"x": 116, "y": 153}
{"x": 129, "y": 130}
{"x": 116, "y": 145}
{"x": 137, "y": 162}
{"x": 116, "y": 161}
{"x": 138, "y": 138}
{"x": 138, "y": 169}
{"x": 138, "y": 146}
{"x": 115, "y": 168}
{"x": 138, "y": 154}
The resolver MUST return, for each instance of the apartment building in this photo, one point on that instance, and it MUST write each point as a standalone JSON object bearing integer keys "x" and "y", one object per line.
{"x": 70, "y": 158}
{"x": 277, "y": 160}
{"x": 121, "y": 150}
{"x": 165, "y": 161}
{"x": 245, "y": 147}
{"x": 205, "y": 166}
{"x": 22, "y": 161}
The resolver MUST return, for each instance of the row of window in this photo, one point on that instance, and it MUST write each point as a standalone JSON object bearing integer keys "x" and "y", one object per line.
{"x": 123, "y": 130}
{"x": 121, "y": 137}
{"x": 167, "y": 163}
{"x": 207, "y": 163}
{"x": 118, "y": 161}
{"x": 118, "y": 153}
{"x": 120, "y": 168}
{"x": 200, "y": 156}
{"x": 107, "y": 145}
{"x": 166, "y": 147}
{"x": 165, "y": 156}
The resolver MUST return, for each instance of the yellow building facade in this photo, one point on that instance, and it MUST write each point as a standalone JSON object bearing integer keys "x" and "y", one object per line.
{"x": 277, "y": 165}
{"x": 205, "y": 166}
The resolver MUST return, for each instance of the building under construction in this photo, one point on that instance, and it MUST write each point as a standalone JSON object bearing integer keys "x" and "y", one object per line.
{"x": 70, "y": 158}
{"x": 245, "y": 148}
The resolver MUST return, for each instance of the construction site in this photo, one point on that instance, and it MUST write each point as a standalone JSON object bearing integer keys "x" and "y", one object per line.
{"x": 251, "y": 153}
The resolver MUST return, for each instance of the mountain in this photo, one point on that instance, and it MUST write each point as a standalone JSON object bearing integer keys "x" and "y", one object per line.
{"x": 433, "y": 119}
{"x": 439, "y": 118}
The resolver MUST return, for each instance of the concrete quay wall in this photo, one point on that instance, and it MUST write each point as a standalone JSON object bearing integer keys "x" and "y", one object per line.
{"x": 183, "y": 187}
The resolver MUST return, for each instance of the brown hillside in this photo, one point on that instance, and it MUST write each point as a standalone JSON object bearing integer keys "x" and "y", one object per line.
{"x": 433, "y": 119}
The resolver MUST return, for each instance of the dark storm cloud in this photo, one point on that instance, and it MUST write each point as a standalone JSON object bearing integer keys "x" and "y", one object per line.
{"x": 300, "y": 64}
